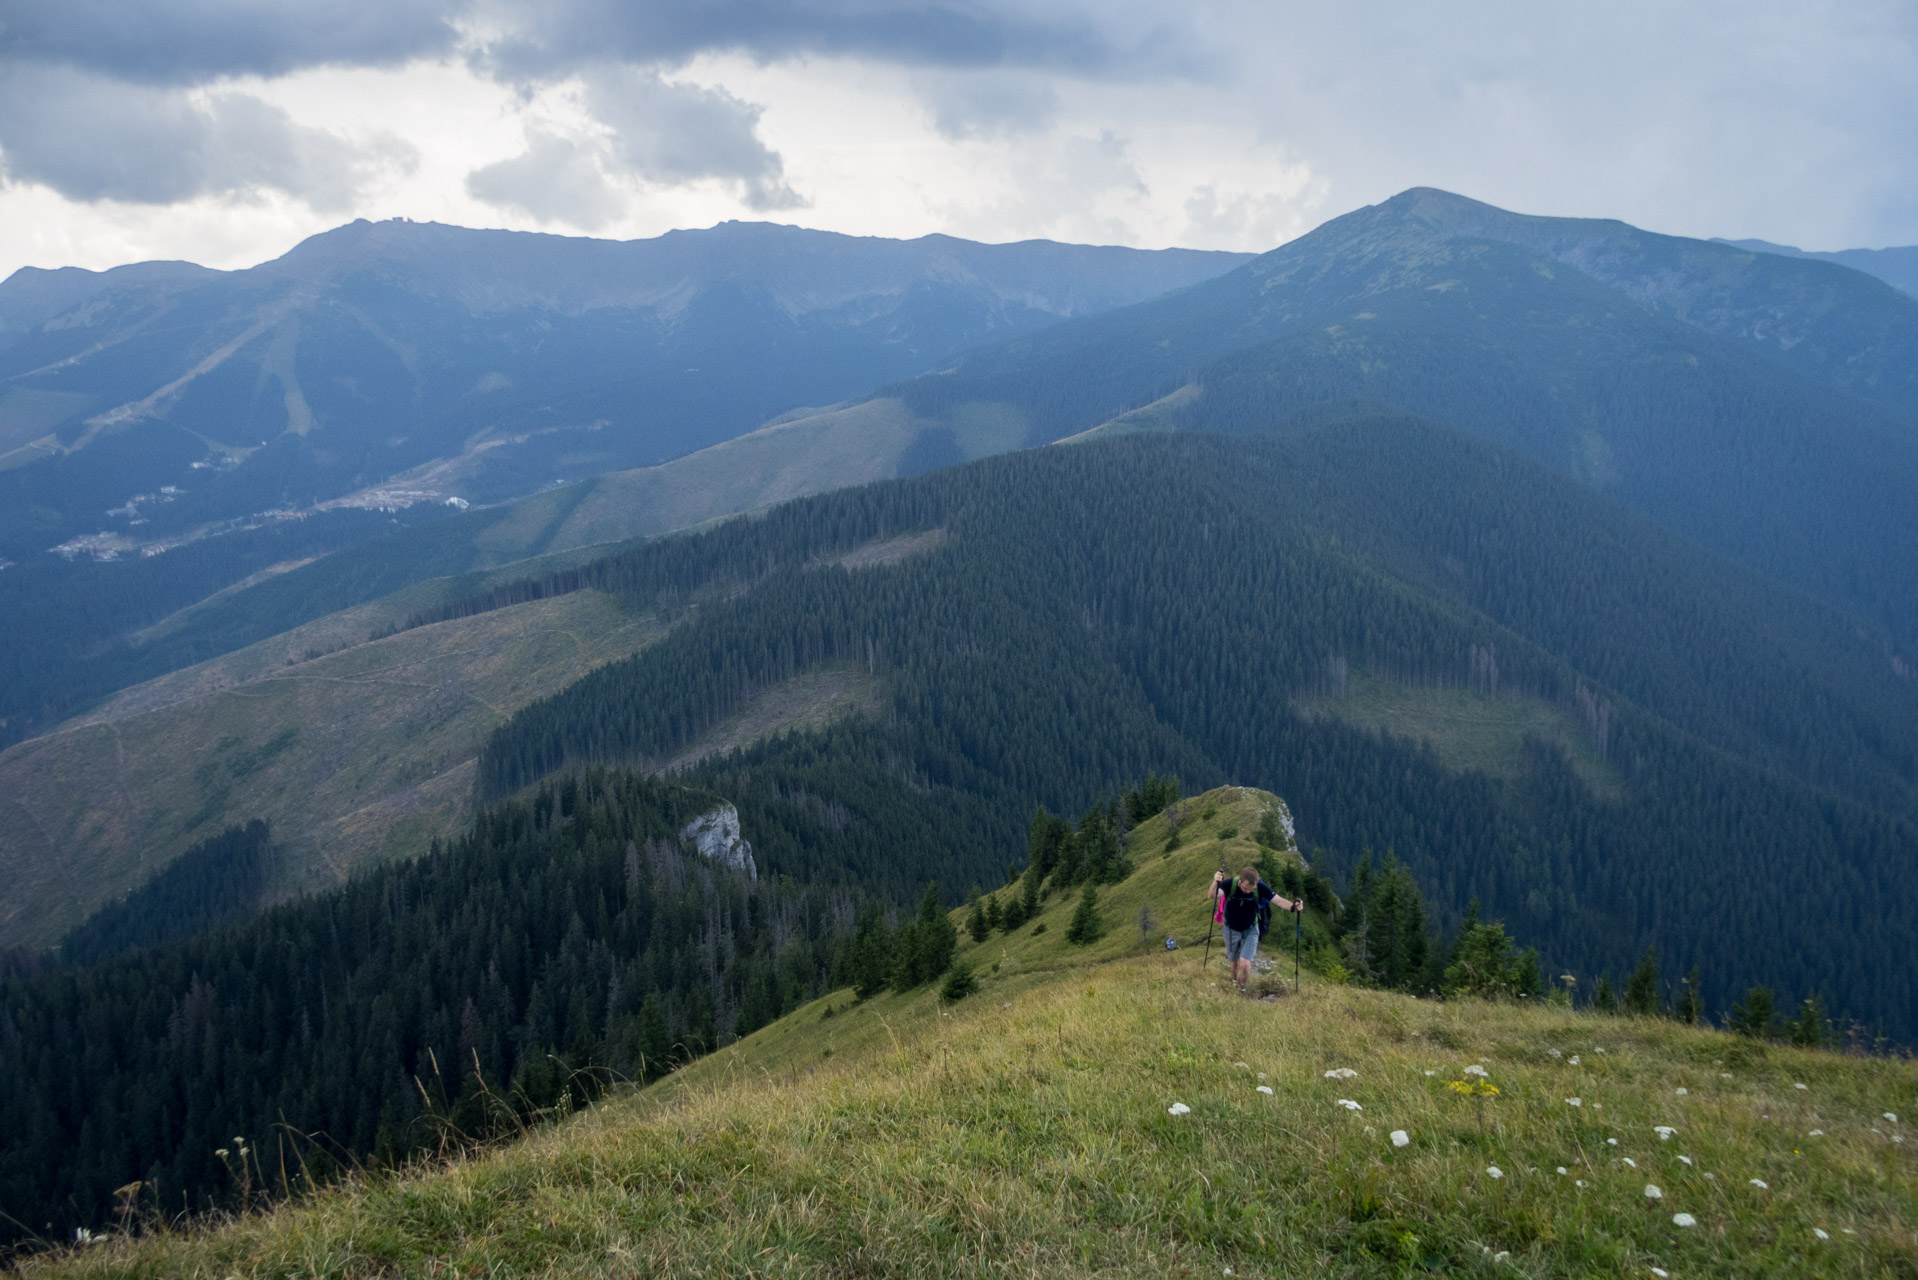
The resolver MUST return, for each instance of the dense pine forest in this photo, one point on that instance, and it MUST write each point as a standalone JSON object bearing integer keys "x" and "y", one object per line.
{"x": 567, "y": 941}
{"x": 1094, "y": 613}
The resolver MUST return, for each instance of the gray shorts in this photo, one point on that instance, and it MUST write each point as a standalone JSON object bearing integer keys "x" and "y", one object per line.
{"x": 1241, "y": 944}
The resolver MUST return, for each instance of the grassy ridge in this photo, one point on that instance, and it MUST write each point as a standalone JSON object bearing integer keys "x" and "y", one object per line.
{"x": 1026, "y": 1131}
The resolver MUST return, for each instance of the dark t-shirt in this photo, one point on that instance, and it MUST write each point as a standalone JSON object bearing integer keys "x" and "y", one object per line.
{"x": 1242, "y": 909}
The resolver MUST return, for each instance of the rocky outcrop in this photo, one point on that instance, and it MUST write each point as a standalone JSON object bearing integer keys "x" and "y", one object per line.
{"x": 717, "y": 836}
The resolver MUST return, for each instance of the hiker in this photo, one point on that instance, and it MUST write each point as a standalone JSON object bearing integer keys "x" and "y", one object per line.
{"x": 1244, "y": 906}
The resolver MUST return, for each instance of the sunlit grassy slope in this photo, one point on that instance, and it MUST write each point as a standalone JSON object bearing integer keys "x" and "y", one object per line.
{"x": 1027, "y": 1130}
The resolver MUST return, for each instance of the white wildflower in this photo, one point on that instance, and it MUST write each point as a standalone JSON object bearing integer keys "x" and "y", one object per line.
{"x": 1664, "y": 1132}
{"x": 1760, "y": 1183}
{"x": 1243, "y": 1066}
{"x": 220, "y": 1152}
{"x": 1578, "y": 1182}
{"x": 1892, "y": 1116}
{"x": 1684, "y": 1220}
{"x": 1816, "y": 1133}
{"x": 1341, "y": 1073}
{"x": 1574, "y": 1102}
{"x": 1611, "y": 1142}
{"x": 1261, "y": 1075}
{"x": 1574, "y": 1059}
{"x": 1661, "y": 1273}
{"x": 1431, "y": 1073}
{"x": 1724, "y": 1075}
{"x": 1629, "y": 1162}
{"x": 1503, "y": 1255}
{"x": 1350, "y": 1105}
{"x": 1652, "y": 1192}
{"x": 1476, "y": 1070}
{"x": 1805, "y": 1087}
{"x": 1685, "y": 1159}
{"x": 1493, "y": 1171}
{"x": 1599, "y": 1047}
{"x": 1266, "y": 1089}
{"x": 1898, "y": 1137}
{"x": 1820, "y": 1233}
{"x": 1711, "y": 1177}
{"x": 1564, "y": 1171}
{"x": 1400, "y": 1138}
{"x": 1178, "y": 1109}
{"x": 1682, "y": 1092}
{"x": 1557, "y": 1054}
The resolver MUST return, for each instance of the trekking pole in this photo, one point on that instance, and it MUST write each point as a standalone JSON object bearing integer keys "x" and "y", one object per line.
{"x": 1298, "y": 922}
{"x": 1211, "y": 920}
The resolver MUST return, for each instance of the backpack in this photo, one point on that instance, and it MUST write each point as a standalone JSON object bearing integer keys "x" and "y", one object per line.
{"x": 1263, "y": 920}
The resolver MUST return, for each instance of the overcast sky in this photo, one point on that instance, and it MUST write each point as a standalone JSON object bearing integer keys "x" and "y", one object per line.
{"x": 223, "y": 131}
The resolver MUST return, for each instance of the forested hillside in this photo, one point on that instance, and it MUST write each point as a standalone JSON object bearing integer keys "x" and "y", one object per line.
{"x": 565, "y": 941}
{"x": 1172, "y": 603}
{"x": 1760, "y": 405}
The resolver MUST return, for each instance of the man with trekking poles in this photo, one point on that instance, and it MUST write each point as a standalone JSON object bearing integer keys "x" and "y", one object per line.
{"x": 1243, "y": 906}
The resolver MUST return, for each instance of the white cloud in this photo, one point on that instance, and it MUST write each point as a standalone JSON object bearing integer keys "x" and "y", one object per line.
{"x": 555, "y": 180}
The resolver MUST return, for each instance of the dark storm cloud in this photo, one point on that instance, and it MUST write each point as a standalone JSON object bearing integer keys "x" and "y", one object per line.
{"x": 546, "y": 39}
{"x": 673, "y": 133}
{"x": 193, "y": 41}
{"x": 91, "y": 138}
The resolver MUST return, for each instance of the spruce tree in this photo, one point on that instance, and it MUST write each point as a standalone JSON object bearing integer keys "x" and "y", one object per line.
{"x": 1688, "y": 1007}
{"x": 976, "y": 923}
{"x": 1071, "y": 863}
{"x": 937, "y": 936}
{"x": 909, "y": 956}
{"x": 1808, "y": 1029}
{"x": 1528, "y": 976}
{"x": 960, "y": 982}
{"x": 1045, "y": 840}
{"x": 1641, "y": 989}
{"x": 1087, "y": 927}
{"x": 1483, "y": 963}
{"x": 1014, "y": 914}
{"x": 1755, "y": 1015}
{"x": 1603, "y": 999}
{"x": 993, "y": 919}
{"x": 871, "y": 959}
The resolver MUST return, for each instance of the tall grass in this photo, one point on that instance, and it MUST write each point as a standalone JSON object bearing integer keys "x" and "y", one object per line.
{"x": 1023, "y": 1133}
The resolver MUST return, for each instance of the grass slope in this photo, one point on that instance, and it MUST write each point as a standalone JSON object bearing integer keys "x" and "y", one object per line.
{"x": 1467, "y": 730}
{"x": 1026, "y": 1131}
{"x": 364, "y": 752}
